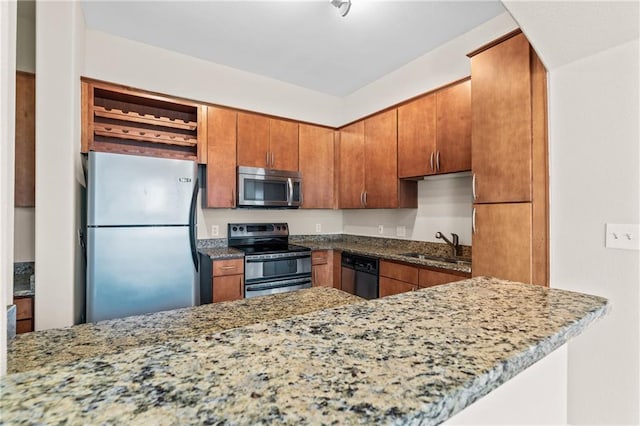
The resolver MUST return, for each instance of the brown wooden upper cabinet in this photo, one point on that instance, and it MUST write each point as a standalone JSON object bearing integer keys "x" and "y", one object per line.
{"x": 125, "y": 120}
{"x": 434, "y": 132}
{"x": 510, "y": 161}
{"x": 501, "y": 122}
{"x": 368, "y": 165}
{"x": 267, "y": 142}
{"x": 25, "y": 146}
{"x": 221, "y": 158}
{"x": 316, "y": 161}
{"x": 453, "y": 128}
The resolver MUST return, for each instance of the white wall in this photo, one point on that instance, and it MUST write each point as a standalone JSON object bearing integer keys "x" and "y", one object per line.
{"x": 152, "y": 68}
{"x": 7, "y": 136}
{"x": 59, "y": 54}
{"x": 444, "y": 204}
{"x": 442, "y": 65}
{"x": 594, "y": 155}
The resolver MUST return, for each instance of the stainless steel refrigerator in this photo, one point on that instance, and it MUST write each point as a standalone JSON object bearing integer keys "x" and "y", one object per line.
{"x": 141, "y": 247}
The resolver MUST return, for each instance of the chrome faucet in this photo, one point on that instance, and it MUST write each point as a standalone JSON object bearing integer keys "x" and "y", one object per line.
{"x": 454, "y": 245}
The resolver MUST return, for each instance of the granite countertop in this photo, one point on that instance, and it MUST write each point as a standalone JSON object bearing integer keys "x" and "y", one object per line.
{"x": 383, "y": 248}
{"x": 22, "y": 285}
{"x": 389, "y": 249}
{"x": 416, "y": 357}
{"x": 22, "y": 272}
{"x": 219, "y": 253}
{"x": 66, "y": 345}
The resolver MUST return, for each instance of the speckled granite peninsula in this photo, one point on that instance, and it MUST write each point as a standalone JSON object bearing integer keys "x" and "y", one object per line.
{"x": 413, "y": 358}
{"x": 65, "y": 345}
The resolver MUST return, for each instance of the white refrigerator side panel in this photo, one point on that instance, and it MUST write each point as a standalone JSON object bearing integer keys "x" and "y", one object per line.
{"x": 135, "y": 190}
{"x": 136, "y": 270}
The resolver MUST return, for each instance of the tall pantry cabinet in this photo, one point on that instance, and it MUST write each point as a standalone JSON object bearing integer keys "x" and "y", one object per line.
{"x": 509, "y": 161}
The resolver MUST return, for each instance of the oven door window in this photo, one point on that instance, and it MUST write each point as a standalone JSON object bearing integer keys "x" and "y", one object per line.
{"x": 279, "y": 268}
{"x": 265, "y": 190}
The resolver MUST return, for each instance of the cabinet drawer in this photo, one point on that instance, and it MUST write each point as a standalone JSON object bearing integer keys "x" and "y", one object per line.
{"x": 429, "y": 278}
{"x": 399, "y": 272}
{"x": 228, "y": 267}
{"x": 24, "y": 307}
{"x": 320, "y": 257}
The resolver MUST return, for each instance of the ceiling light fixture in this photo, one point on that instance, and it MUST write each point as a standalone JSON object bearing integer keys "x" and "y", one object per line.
{"x": 343, "y": 6}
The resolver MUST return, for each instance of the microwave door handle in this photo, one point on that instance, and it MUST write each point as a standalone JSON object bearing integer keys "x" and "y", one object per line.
{"x": 290, "y": 186}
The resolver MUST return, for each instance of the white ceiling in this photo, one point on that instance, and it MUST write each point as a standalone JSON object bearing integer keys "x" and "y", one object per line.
{"x": 306, "y": 43}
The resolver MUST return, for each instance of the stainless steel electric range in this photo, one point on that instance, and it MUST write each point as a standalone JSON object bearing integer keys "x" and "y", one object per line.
{"x": 271, "y": 264}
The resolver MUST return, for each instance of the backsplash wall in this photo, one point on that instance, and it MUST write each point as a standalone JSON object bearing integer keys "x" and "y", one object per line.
{"x": 444, "y": 204}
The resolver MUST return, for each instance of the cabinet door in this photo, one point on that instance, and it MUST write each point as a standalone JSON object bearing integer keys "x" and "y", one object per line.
{"x": 381, "y": 160}
{"x": 501, "y": 122}
{"x": 228, "y": 287}
{"x": 25, "y": 154}
{"x": 253, "y": 140}
{"x": 221, "y": 158}
{"x": 502, "y": 244}
{"x": 389, "y": 286}
{"x": 322, "y": 275}
{"x": 417, "y": 137}
{"x": 351, "y": 154}
{"x": 283, "y": 145}
{"x": 454, "y": 128}
{"x": 429, "y": 278}
{"x": 316, "y": 167}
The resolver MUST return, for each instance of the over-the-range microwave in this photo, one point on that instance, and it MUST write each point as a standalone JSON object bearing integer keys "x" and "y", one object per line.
{"x": 259, "y": 187}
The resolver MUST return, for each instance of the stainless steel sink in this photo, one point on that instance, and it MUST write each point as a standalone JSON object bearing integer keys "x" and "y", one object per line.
{"x": 457, "y": 260}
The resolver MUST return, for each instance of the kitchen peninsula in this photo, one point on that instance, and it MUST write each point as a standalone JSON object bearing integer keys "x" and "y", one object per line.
{"x": 415, "y": 357}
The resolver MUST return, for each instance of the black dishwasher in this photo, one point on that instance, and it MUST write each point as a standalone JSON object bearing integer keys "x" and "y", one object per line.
{"x": 360, "y": 275}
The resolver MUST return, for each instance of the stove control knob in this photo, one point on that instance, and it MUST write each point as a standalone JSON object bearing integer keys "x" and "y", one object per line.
{"x": 235, "y": 228}
{"x": 278, "y": 228}
{"x": 284, "y": 227}
{"x": 241, "y": 228}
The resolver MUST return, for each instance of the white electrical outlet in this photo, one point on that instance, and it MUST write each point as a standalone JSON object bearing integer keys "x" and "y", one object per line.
{"x": 215, "y": 230}
{"x": 401, "y": 231}
{"x": 380, "y": 229}
{"x": 318, "y": 227}
{"x": 622, "y": 236}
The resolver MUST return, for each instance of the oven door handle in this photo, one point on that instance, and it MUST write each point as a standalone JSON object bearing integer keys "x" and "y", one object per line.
{"x": 275, "y": 259}
{"x": 277, "y": 284}
{"x": 290, "y": 186}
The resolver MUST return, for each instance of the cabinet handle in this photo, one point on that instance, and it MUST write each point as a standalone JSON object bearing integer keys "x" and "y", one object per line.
{"x": 473, "y": 221}
{"x": 228, "y": 267}
{"x": 473, "y": 187}
{"x": 438, "y": 161}
{"x": 365, "y": 198}
{"x": 267, "y": 162}
{"x": 362, "y": 198}
{"x": 431, "y": 161}
{"x": 272, "y": 159}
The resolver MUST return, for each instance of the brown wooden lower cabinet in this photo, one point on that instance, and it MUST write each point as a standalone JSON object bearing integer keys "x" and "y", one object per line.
{"x": 228, "y": 280}
{"x": 322, "y": 268}
{"x": 389, "y": 286}
{"x": 24, "y": 314}
{"x": 429, "y": 278}
{"x": 399, "y": 278}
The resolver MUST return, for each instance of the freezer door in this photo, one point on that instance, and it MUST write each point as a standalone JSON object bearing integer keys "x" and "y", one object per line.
{"x": 136, "y": 270}
{"x": 135, "y": 190}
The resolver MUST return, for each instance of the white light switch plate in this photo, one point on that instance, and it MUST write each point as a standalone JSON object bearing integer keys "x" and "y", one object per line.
{"x": 401, "y": 231}
{"x": 380, "y": 229}
{"x": 622, "y": 236}
{"x": 318, "y": 227}
{"x": 215, "y": 230}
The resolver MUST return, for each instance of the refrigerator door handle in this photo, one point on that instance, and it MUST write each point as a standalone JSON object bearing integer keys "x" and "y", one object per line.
{"x": 192, "y": 225}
